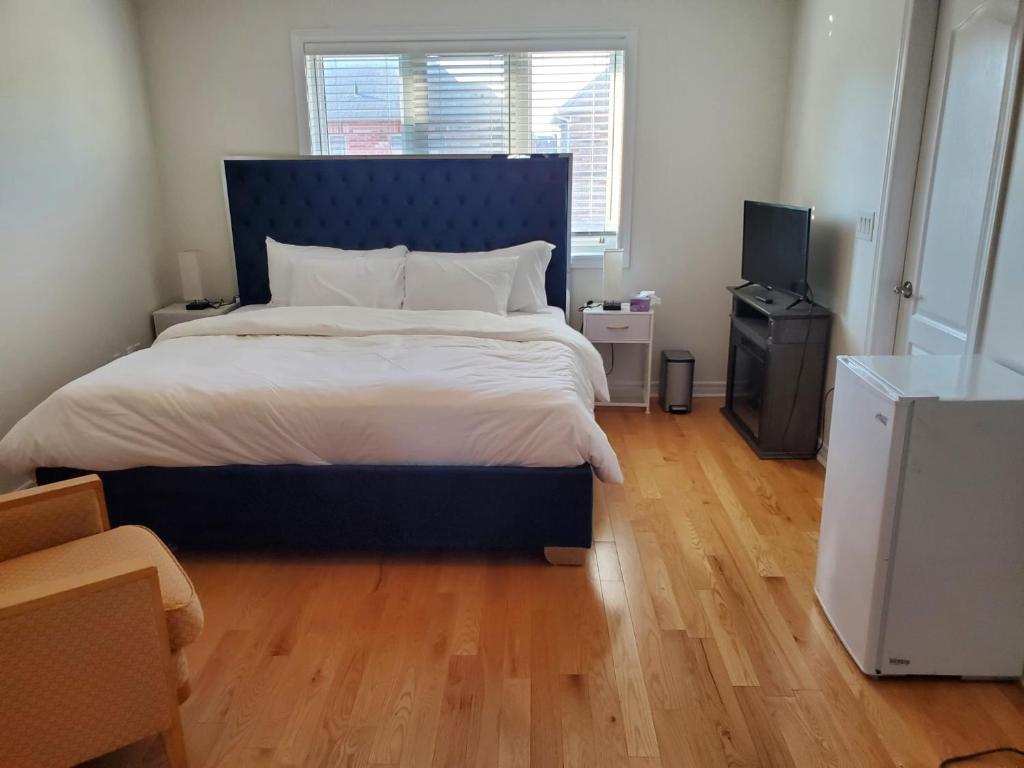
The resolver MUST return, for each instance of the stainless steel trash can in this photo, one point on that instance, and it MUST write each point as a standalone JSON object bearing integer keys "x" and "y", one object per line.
{"x": 676, "y": 386}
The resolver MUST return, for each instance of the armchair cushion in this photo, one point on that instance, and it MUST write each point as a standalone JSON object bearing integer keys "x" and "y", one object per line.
{"x": 84, "y": 667}
{"x": 182, "y": 610}
{"x": 180, "y": 664}
{"x": 38, "y": 518}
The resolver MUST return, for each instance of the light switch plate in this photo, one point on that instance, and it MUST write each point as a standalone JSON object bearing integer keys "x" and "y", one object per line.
{"x": 866, "y": 225}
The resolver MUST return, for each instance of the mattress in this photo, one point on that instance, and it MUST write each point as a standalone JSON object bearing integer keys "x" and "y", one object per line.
{"x": 333, "y": 385}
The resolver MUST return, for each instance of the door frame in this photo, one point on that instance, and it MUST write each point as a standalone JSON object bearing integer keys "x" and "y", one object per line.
{"x": 910, "y": 99}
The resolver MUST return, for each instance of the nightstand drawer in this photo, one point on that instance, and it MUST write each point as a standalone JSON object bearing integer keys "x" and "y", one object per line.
{"x": 618, "y": 326}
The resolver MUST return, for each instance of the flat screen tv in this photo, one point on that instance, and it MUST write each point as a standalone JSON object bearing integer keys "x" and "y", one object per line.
{"x": 776, "y": 244}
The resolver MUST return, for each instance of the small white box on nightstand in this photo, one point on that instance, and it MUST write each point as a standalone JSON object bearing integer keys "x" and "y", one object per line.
{"x": 173, "y": 314}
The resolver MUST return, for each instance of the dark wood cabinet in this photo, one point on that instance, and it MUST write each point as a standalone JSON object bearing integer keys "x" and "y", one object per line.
{"x": 778, "y": 353}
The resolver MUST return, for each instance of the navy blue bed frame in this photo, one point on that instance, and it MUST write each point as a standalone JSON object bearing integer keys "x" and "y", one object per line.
{"x": 431, "y": 203}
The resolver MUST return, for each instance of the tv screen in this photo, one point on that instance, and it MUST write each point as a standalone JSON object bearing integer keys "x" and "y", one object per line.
{"x": 776, "y": 242}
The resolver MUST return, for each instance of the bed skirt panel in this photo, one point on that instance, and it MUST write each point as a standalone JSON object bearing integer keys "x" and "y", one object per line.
{"x": 352, "y": 507}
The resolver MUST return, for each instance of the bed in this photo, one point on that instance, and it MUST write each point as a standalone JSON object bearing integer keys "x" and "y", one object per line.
{"x": 516, "y": 492}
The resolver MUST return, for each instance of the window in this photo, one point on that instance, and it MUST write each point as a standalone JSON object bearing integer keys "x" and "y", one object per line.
{"x": 487, "y": 97}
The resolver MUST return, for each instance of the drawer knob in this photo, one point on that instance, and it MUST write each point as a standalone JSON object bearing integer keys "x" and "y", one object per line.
{"x": 618, "y": 327}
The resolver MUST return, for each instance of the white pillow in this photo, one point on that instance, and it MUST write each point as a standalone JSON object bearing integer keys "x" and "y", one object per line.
{"x": 281, "y": 256}
{"x": 350, "y": 281}
{"x": 446, "y": 282}
{"x": 528, "y": 294}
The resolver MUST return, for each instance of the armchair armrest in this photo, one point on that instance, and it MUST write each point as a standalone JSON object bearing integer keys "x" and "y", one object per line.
{"x": 86, "y": 666}
{"x": 44, "y": 517}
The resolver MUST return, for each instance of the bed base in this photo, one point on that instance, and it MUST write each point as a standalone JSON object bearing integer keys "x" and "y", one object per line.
{"x": 356, "y": 507}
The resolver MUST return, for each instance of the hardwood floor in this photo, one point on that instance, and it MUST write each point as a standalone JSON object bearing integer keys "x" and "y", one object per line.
{"x": 690, "y": 638}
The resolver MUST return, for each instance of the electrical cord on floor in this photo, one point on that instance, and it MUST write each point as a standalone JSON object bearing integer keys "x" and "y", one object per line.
{"x": 611, "y": 348}
{"x": 983, "y": 753}
{"x": 821, "y": 419}
{"x": 800, "y": 368}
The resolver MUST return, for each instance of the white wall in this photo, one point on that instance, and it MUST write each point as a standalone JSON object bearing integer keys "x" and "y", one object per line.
{"x": 837, "y": 130}
{"x": 79, "y": 236}
{"x": 842, "y": 85}
{"x": 712, "y": 83}
{"x": 1003, "y": 324}
{"x": 836, "y": 139}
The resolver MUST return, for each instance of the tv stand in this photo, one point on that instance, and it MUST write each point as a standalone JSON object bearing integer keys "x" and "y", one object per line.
{"x": 777, "y": 360}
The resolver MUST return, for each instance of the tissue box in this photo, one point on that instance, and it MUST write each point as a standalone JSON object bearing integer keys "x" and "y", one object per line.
{"x": 640, "y": 304}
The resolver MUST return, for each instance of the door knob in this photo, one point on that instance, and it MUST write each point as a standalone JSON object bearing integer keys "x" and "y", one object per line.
{"x": 906, "y": 290}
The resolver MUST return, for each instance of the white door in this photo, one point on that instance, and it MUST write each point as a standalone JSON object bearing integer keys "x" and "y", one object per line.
{"x": 957, "y": 178}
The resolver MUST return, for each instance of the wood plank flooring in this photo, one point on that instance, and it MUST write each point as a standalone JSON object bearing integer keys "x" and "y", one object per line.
{"x": 690, "y": 638}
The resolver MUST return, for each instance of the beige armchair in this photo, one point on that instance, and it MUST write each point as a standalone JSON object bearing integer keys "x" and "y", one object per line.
{"x": 93, "y": 621}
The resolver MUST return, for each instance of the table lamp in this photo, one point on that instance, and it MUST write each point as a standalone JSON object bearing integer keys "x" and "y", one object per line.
{"x": 192, "y": 280}
{"x": 612, "y": 279}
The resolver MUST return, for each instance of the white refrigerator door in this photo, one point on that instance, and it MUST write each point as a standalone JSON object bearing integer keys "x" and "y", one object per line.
{"x": 956, "y": 591}
{"x": 866, "y": 444}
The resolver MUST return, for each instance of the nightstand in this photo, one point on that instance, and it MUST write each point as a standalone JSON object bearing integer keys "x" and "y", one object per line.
{"x": 173, "y": 314}
{"x": 601, "y": 326}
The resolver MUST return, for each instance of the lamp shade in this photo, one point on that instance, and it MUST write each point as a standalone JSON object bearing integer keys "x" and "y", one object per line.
{"x": 191, "y": 275}
{"x": 612, "y": 275}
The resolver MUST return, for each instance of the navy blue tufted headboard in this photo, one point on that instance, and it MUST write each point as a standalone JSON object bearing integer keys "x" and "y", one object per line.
{"x": 426, "y": 203}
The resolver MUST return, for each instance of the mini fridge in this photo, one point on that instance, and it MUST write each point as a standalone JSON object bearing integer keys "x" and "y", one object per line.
{"x": 921, "y": 549}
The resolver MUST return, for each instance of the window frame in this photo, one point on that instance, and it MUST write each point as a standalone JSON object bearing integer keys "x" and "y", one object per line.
{"x": 332, "y": 42}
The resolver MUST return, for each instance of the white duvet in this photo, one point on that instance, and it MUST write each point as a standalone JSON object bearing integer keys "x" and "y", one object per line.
{"x": 332, "y": 385}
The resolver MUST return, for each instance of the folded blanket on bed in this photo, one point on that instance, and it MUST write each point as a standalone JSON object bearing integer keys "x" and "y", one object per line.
{"x": 332, "y": 385}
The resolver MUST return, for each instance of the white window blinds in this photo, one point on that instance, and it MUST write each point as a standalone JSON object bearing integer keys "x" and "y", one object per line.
{"x": 481, "y": 103}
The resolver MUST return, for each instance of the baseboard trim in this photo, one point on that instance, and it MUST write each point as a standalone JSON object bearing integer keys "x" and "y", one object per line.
{"x": 709, "y": 389}
{"x": 700, "y": 388}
